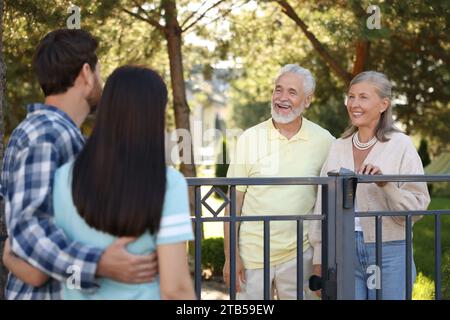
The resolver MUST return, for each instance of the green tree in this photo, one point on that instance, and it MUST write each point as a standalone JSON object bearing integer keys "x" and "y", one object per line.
{"x": 27, "y": 21}
{"x": 165, "y": 17}
{"x": 252, "y": 113}
{"x": 332, "y": 40}
{"x": 415, "y": 57}
{"x": 423, "y": 152}
{"x": 3, "y": 271}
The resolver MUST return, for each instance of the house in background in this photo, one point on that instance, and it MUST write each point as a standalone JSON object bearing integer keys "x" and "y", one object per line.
{"x": 206, "y": 90}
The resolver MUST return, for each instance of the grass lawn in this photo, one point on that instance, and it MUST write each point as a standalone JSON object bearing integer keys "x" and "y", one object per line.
{"x": 424, "y": 245}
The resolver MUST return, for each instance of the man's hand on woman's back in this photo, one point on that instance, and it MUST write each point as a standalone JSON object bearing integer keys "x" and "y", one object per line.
{"x": 118, "y": 264}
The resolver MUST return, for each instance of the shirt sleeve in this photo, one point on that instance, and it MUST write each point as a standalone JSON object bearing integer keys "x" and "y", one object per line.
{"x": 408, "y": 196}
{"x": 34, "y": 236}
{"x": 175, "y": 223}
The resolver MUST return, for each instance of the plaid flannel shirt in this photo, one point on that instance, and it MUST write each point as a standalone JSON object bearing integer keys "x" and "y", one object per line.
{"x": 44, "y": 141}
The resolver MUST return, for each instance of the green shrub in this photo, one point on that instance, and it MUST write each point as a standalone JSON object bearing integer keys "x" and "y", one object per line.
{"x": 213, "y": 257}
{"x": 423, "y": 152}
{"x": 439, "y": 189}
{"x": 423, "y": 288}
{"x": 446, "y": 275}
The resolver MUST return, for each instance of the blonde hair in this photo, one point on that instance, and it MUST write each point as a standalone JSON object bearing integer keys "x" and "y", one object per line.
{"x": 383, "y": 88}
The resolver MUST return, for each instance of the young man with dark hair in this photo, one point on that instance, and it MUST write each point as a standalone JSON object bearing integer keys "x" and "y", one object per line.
{"x": 68, "y": 71}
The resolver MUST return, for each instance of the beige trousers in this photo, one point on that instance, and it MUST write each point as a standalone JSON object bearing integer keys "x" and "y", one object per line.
{"x": 283, "y": 281}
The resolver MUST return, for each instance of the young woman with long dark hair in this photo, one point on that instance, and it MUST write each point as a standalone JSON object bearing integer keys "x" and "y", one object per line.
{"x": 119, "y": 186}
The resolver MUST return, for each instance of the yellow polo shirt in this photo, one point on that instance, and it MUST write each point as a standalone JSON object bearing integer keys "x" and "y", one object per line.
{"x": 262, "y": 151}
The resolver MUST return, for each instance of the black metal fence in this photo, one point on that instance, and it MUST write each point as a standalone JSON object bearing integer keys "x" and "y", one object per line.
{"x": 338, "y": 225}
{"x": 338, "y": 229}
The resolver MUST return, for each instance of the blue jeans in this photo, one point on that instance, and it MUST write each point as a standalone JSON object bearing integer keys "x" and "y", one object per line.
{"x": 393, "y": 270}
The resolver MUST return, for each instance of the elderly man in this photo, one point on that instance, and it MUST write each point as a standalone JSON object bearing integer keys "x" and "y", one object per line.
{"x": 287, "y": 145}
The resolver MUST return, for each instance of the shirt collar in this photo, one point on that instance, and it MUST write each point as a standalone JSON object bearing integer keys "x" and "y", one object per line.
{"x": 302, "y": 134}
{"x": 36, "y": 107}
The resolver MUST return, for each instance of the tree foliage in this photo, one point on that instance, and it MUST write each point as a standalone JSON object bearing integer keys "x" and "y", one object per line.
{"x": 411, "y": 48}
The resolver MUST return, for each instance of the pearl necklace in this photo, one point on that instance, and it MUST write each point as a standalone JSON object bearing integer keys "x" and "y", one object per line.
{"x": 363, "y": 145}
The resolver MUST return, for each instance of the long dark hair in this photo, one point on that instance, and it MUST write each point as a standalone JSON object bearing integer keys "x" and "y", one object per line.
{"x": 119, "y": 178}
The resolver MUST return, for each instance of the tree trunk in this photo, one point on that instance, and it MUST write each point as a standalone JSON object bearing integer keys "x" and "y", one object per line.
{"x": 173, "y": 34}
{"x": 361, "y": 57}
{"x": 3, "y": 272}
{"x": 318, "y": 46}
{"x": 181, "y": 107}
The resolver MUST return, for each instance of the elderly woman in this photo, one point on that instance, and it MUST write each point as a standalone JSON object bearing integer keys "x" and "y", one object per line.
{"x": 373, "y": 145}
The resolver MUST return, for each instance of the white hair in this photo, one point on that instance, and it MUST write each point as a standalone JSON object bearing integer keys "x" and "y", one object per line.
{"x": 383, "y": 88}
{"x": 379, "y": 80}
{"x": 309, "y": 84}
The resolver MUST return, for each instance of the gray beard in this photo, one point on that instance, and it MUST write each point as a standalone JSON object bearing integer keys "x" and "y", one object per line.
{"x": 286, "y": 119}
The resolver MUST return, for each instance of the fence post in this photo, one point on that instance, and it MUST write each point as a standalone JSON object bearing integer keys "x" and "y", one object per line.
{"x": 328, "y": 241}
{"x": 198, "y": 241}
{"x": 346, "y": 182}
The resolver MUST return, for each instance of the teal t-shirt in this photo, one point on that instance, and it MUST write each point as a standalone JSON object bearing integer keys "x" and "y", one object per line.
{"x": 175, "y": 227}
